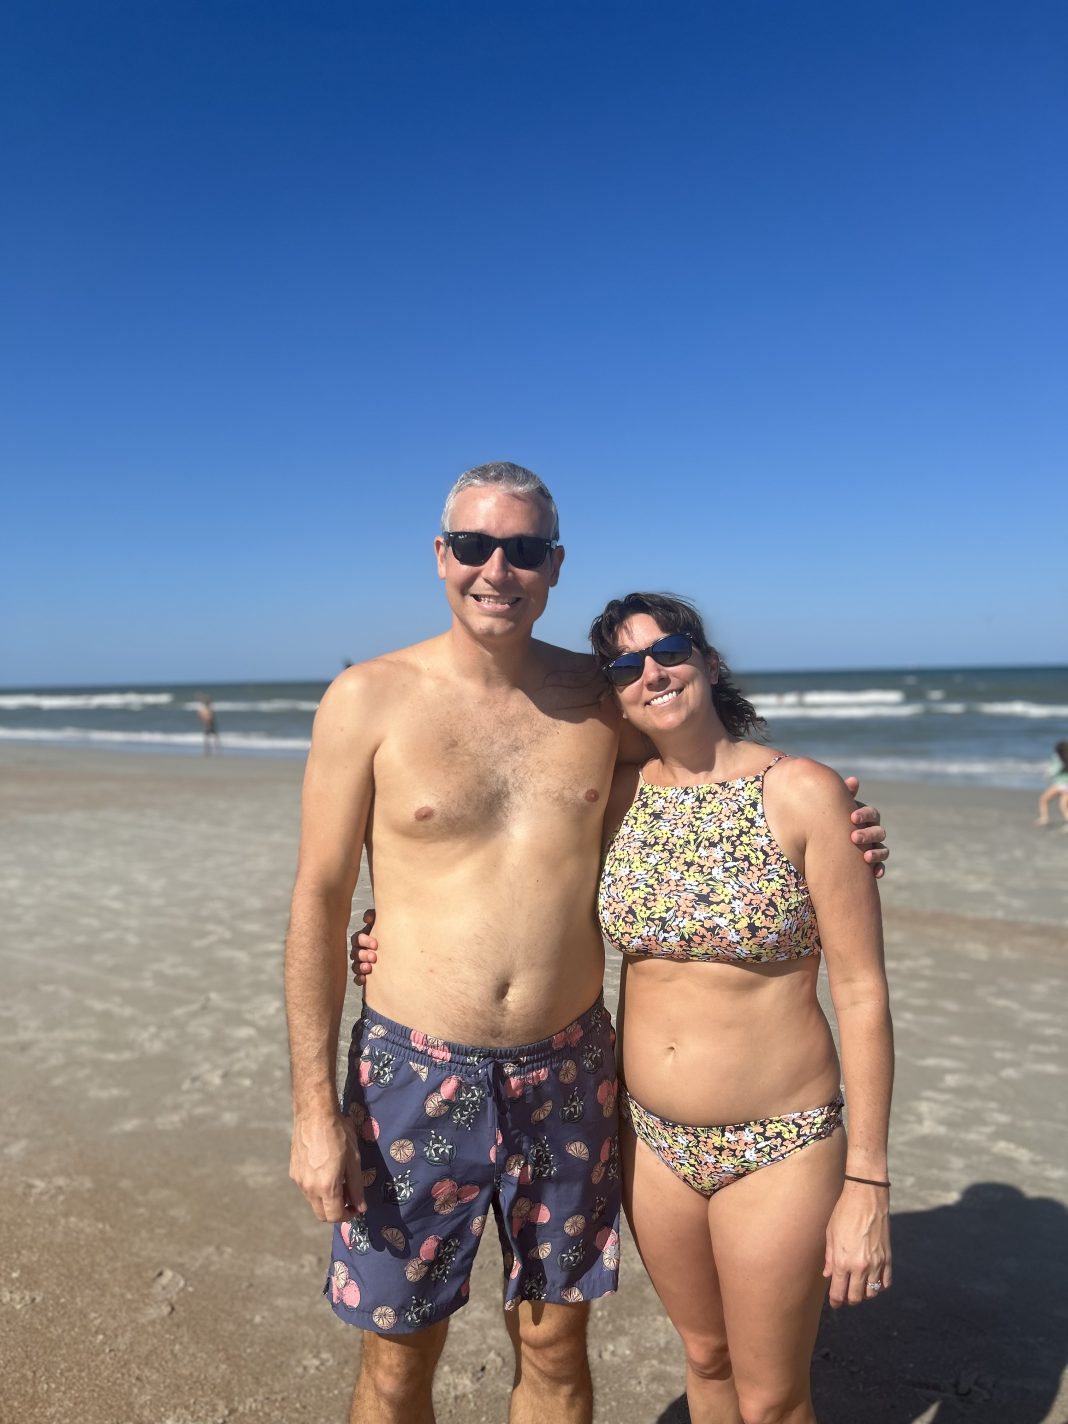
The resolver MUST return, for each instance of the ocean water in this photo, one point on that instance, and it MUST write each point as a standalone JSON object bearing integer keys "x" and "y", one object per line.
{"x": 979, "y": 726}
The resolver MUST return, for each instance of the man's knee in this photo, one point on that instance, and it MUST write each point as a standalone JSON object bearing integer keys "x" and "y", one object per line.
{"x": 400, "y": 1368}
{"x": 552, "y": 1342}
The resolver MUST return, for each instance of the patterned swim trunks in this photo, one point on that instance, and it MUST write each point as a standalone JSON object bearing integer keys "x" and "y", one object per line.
{"x": 449, "y": 1133}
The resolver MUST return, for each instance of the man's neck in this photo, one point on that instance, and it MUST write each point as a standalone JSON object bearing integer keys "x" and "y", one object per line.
{"x": 495, "y": 662}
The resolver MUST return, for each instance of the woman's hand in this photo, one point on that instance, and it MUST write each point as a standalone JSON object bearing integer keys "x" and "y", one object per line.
{"x": 363, "y": 949}
{"x": 858, "y": 1245}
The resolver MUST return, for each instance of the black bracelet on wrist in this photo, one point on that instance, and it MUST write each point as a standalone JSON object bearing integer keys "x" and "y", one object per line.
{"x": 866, "y": 1181}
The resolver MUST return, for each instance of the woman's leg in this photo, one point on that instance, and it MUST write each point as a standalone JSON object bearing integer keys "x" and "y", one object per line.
{"x": 669, "y": 1221}
{"x": 768, "y": 1234}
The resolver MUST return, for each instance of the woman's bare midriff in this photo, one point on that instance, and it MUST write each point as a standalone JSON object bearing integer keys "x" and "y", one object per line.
{"x": 717, "y": 1044}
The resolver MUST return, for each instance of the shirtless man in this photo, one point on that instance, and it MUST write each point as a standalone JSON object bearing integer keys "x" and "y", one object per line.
{"x": 208, "y": 724}
{"x": 475, "y": 766}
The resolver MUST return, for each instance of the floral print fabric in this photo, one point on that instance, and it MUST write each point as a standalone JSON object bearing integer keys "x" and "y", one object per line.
{"x": 449, "y": 1134}
{"x": 694, "y": 873}
{"x": 709, "y": 1158}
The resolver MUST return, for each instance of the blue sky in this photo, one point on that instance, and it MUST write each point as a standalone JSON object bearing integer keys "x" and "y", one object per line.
{"x": 772, "y": 295}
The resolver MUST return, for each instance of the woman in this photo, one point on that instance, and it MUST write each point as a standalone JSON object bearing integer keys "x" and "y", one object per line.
{"x": 725, "y": 876}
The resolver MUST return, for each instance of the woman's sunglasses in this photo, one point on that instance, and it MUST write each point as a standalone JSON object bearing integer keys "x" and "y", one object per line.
{"x": 523, "y": 551}
{"x": 669, "y": 651}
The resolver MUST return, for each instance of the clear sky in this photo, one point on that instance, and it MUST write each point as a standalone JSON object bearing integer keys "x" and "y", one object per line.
{"x": 772, "y": 294}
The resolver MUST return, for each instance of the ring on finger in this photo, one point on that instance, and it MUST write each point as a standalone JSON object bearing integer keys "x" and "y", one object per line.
{"x": 875, "y": 1286}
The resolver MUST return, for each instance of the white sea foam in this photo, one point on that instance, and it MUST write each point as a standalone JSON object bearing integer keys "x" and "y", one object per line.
{"x": 82, "y": 701}
{"x": 830, "y": 698}
{"x": 991, "y": 771}
{"x": 1004, "y": 771}
{"x": 780, "y": 711}
{"x": 780, "y": 706}
{"x": 270, "y": 704}
{"x": 84, "y": 736}
{"x": 1022, "y": 709}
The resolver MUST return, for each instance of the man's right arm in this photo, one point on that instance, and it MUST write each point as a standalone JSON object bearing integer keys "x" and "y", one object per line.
{"x": 338, "y": 785}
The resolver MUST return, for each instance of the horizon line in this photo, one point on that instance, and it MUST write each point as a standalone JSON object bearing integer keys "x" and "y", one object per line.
{"x": 129, "y": 683}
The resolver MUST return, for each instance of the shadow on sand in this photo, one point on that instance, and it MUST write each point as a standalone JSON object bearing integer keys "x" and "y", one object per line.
{"x": 975, "y": 1329}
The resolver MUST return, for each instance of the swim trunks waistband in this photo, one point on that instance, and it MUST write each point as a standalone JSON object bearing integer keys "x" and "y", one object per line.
{"x": 425, "y": 1048}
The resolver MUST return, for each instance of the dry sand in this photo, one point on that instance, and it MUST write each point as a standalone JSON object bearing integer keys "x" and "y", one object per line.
{"x": 157, "y": 1267}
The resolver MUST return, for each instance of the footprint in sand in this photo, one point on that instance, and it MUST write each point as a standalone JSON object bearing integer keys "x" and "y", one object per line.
{"x": 311, "y": 1363}
{"x": 165, "y": 1287}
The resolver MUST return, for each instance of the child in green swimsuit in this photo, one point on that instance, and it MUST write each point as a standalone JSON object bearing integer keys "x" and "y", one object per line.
{"x": 1058, "y": 787}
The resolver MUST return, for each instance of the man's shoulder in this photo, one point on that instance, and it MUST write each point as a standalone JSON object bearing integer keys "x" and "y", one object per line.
{"x": 566, "y": 662}
{"x": 575, "y": 679}
{"x": 378, "y": 675}
{"x": 567, "y": 658}
{"x": 372, "y": 688}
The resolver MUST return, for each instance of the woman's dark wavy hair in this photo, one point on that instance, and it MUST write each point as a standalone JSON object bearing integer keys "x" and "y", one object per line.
{"x": 676, "y": 615}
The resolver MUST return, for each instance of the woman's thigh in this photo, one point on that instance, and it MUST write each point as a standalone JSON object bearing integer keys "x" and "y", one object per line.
{"x": 768, "y": 1234}
{"x": 669, "y": 1223}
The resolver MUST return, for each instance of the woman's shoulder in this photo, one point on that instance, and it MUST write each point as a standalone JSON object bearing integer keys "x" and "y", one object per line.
{"x": 805, "y": 782}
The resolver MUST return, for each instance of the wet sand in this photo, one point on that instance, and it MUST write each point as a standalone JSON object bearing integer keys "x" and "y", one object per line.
{"x": 157, "y": 1267}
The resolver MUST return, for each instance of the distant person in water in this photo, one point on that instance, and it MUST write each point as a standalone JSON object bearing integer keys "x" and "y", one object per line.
{"x": 1058, "y": 786}
{"x": 206, "y": 713}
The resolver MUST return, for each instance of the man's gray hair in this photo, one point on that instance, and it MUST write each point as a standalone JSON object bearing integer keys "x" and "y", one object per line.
{"x": 503, "y": 475}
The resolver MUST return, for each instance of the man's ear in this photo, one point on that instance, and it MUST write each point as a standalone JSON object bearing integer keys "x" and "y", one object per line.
{"x": 557, "y": 558}
{"x": 440, "y": 550}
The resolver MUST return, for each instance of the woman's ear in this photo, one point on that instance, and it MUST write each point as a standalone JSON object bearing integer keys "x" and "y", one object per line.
{"x": 713, "y": 668}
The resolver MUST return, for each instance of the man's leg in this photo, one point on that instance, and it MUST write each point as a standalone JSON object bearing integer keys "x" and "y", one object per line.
{"x": 396, "y": 1377}
{"x": 552, "y": 1370}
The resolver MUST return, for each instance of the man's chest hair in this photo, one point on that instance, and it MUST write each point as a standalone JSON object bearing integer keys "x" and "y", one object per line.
{"x": 493, "y": 762}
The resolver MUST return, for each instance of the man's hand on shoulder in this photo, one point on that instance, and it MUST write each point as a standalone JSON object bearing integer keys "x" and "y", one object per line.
{"x": 868, "y": 835}
{"x": 816, "y": 797}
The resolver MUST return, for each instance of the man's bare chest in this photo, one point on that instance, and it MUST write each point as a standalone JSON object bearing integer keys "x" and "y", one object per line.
{"x": 483, "y": 771}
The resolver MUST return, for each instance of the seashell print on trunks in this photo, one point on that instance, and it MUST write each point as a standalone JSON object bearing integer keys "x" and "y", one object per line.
{"x": 449, "y": 1133}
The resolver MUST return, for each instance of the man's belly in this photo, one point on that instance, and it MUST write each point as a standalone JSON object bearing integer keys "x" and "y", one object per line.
{"x": 488, "y": 954}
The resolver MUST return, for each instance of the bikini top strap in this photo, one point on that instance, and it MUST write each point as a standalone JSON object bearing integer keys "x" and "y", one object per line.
{"x": 781, "y": 757}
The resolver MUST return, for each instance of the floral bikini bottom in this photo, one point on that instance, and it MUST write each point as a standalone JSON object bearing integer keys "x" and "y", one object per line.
{"x": 708, "y": 1158}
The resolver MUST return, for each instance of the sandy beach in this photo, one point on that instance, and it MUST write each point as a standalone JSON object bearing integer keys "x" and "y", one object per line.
{"x": 157, "y": 1266}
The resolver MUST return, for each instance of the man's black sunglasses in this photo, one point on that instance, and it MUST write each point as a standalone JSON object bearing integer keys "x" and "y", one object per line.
{"x": 523, "y": 551}
{"x": 668, "y": 651}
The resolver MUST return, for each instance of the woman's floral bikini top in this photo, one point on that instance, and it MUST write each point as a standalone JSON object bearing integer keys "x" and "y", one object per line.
{"x": 694, "y": 873}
